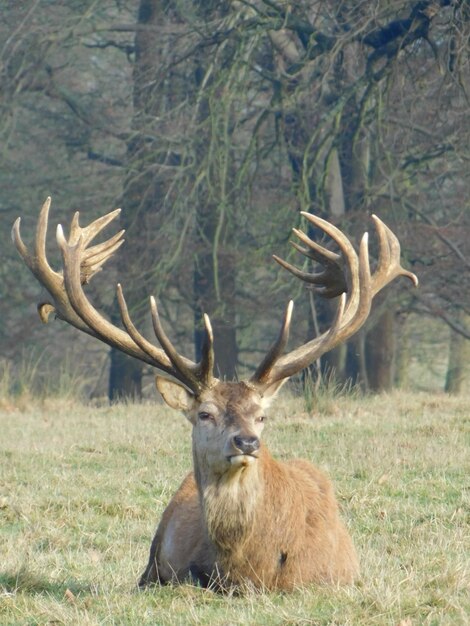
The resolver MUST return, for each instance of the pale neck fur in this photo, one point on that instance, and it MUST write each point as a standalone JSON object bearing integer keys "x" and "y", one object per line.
{"x": 230, "y": 501}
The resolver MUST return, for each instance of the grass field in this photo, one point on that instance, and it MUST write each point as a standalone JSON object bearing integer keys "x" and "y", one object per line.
{"x": 82, "y": 488}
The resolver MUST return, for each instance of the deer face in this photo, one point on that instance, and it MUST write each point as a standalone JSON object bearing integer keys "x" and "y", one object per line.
{"x": 227, "y": 421}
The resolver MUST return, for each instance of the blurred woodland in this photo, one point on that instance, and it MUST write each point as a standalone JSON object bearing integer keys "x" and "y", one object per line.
{"x": 212, "y": 124}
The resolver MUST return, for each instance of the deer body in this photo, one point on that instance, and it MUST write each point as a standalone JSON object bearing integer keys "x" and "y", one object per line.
{"x": 241, "y": 516}
{"x": 273, "y": 524}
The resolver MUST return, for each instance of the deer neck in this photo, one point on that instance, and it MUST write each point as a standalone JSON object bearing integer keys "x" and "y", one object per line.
{"x": 230, "y": 501}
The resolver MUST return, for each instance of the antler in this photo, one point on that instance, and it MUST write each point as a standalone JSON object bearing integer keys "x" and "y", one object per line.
{"x": 347, "y": 274}
{"x": 68, "y": 299}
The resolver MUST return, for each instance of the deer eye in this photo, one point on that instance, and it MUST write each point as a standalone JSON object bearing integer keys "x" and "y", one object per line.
{"x": 205, "y": 416}
{"x": 261, "y": 418}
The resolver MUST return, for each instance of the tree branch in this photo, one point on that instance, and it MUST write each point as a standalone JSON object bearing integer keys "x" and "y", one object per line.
{"x": 95, "y": 156}
{"x": 450, "y": 244}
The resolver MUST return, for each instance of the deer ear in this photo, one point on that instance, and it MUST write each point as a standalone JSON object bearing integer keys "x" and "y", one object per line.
{"x": 174, "y": 394}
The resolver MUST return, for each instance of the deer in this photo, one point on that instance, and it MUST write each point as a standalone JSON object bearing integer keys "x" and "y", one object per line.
{"x": 240, "y": 518}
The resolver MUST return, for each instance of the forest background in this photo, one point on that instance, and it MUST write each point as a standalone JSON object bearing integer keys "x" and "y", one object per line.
{"x": 211, "y": 124}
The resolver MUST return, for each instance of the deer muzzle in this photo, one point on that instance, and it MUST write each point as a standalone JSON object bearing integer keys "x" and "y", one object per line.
{"x": 245, "y": 449}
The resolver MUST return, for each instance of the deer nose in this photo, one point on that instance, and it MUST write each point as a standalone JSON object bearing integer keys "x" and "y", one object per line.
{"x": 246, "y": 445}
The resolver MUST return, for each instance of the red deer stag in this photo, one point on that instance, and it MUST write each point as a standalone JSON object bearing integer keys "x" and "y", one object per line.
{"x": 240, "y": 517}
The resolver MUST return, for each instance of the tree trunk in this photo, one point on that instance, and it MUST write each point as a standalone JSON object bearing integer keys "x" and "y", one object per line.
{"x": 380, "y": 352}
{"x": 458, "y": 360}
{"x": 141, "y": 197}
{"x": 402, "y": 355}
{"x": 214, "y": 274}
{"x": 125, "y": 377}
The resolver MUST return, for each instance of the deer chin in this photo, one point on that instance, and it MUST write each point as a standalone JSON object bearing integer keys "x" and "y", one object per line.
{"x": 242, "y": 460}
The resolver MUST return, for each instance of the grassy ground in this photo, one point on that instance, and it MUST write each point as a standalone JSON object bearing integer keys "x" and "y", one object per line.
{"x": 82, "y": 488}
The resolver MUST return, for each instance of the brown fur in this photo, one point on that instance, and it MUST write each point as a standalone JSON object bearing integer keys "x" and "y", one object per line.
{"x": 265, "y": 523}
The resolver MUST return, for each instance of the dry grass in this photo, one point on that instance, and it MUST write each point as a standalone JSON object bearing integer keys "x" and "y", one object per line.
{"x": 81, "y": 490}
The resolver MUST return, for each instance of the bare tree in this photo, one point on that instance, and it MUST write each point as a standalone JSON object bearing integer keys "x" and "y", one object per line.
{"x": 215, "y": 119}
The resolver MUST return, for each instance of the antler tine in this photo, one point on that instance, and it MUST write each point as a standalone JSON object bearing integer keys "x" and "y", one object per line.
{"x": 357, "y": 313}
{"x": 41, "y": 233}
{"x": 315, "y": 251}
{"x": 169, "y": 360}
{"x": 329, "y": 283}
{"x": 332, "y": 281}
{"x": 93, "y": 258}
{"x": 96, "y": 256}
{"x": 18, "y": 241}
{"x": 388, "y": 266}
{"x": 206, "y": 365}
{"x": 50, "y": 279}
{"x": 305, "y": 276}
{"x": 162, "y": 337}
{"x": 263, "y": 371}
{"x": 195, "y": 376}
{"x": 88, "y": 233}
{"x": 340, "y": 238}
{"x": 37, "y": 262}
{"x": 153, "y": 352}
{"x": 295, "y": 361}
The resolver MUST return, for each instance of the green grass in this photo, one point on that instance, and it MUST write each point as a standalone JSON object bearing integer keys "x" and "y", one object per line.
{"x": 82, "y": 488}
